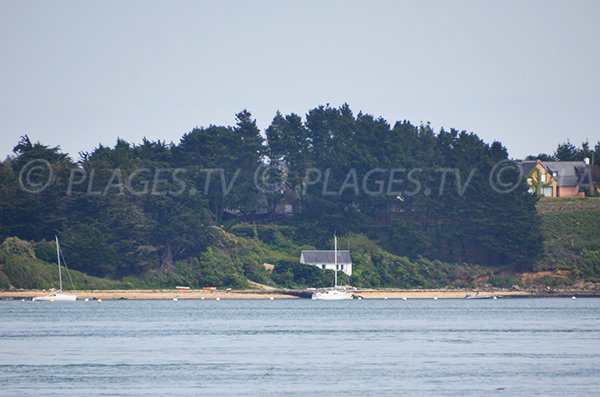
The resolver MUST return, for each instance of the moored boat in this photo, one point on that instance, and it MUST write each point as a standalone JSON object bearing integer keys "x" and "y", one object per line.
{"x": 334, "y": 294}
{"x": 331, "y": 295}
{"x": 58, "y": 296}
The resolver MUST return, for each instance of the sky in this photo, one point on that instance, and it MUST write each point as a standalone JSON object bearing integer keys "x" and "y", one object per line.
{"x": 79, "y": 73}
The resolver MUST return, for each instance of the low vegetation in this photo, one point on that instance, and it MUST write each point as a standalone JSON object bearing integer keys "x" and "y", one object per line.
{"x": 571, "y": 230}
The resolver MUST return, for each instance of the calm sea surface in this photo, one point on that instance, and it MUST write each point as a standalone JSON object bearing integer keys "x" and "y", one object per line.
{"x": 511, "y": 347}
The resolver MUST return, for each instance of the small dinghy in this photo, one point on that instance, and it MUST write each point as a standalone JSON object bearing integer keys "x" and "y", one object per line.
{"x": 477, "y": 296}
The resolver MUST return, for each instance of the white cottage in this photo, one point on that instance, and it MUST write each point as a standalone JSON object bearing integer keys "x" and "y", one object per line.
{"x": 326, "y": 260}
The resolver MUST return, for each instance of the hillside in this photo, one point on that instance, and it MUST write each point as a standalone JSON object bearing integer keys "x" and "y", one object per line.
{"x": 238, "y": 261}
{"x": 571, "y": 229}
{"x": 21, "y": 268}
{"x": 571, "y": 252}
{"x": 417, "y": 207}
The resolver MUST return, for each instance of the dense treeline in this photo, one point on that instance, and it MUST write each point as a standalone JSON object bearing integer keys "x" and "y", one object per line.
{"x": 158, "y": 208}
{"x": 568, "y": 152}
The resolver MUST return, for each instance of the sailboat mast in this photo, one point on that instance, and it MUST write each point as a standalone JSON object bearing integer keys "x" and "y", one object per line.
{"x": 335, "y": 260}
{"x": 58, "y": 257}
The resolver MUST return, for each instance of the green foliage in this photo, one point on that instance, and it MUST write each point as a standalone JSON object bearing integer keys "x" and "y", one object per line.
{"x": 296, "y": 275}
{"x": 459, "y": 222}
{"x": 109, "y": 227}
{"x": 4, "y": 280}
{"x": 89, "y": 251}
{"x": 31, "y": 273}
{"x": 374, "y": 267}
{"x": 14, "y": 246}
{"x": 504, "y": 280}
{"x": 566, "y": 151}
{"x": 45, "y": 251}
{"x": 550, "y": 281}
{"x": 588, "y": 265}
{"x": 572, "y": 238}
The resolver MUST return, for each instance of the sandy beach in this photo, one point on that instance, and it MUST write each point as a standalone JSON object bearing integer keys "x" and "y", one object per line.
{"x": 170, "y": 294}
{"x": 433, "y": 293}
{"x": 154, "y": 294}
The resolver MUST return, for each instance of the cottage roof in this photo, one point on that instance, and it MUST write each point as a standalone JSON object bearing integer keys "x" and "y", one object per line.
{"x": 566, "y": 170}
{"x": 527, "y": 166}
{"x": 325, "y": 257}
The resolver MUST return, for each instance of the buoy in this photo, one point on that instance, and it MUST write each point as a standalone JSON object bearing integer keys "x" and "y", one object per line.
{"x": 435, "y": 298}
{"x": 218, "y": 299}
{"x": 202, "y": 298}
{"x": 22, "y": 300}
{"x": 385, "y": 298}
{"x": 51, "y": 299}
{"x": 174, "y": 299}
{"x": 99, "y": 300}
{"x": 86, "y": 300}
{"x": 573, "y": 297}
{"x": 360, "y": 298}
{"x": 271, "y": 298}
{"x": 404, "y": 298}
{"x": 495, "y": 297}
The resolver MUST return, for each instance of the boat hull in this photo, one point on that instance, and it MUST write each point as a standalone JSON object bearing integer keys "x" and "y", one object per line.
{"x": 55, "y": 298}
{"x": 479, "y": 297}
{"x": 331, "y": 296}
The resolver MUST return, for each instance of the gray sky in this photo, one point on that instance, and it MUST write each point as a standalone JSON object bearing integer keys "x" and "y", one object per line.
{"x": 79, "y": 73}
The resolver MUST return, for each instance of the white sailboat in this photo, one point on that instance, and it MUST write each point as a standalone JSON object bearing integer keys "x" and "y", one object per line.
{"x": 334, "y": 294}
{"x": 58, "y": 295}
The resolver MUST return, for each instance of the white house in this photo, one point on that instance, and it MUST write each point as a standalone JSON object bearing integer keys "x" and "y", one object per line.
{"x": 326, "y": 260}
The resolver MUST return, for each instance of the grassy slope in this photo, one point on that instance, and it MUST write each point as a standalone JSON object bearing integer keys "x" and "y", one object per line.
{"x": 31, "y": 273}
{"x": 571, "y": 229}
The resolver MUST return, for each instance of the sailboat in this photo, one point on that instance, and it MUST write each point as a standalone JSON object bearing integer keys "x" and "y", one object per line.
{"x": 334, "y": 294}
{"x": 58, "y": 295}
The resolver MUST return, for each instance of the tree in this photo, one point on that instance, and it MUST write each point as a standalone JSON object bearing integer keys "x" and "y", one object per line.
{"x": 541, "y": 156}
{"x": 222, "y": 162}
{"x": 110, "y": 226}
{"x": 567, "y": 152}
{"x": 289, "y": 142}
{"x": 39, "y": 182}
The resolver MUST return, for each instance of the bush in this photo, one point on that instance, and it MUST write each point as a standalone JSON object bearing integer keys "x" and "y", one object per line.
{"x": 551, "y": 281}
{"x": 4, "y": 281}
{"x": 589, "y": 265}
{"x": 375, "y": 267}
{"x": 17, "y": 247}
{"x": 46, "y": 251}
{"x": 291, "y": 274}
{"x": 504, "y": 280}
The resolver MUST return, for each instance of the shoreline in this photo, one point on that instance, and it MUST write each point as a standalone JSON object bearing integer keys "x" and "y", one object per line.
{"x": 170, "y": 294}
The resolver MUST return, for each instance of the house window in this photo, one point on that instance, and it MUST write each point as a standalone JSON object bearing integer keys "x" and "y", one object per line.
{"x": 543, "y": 178}
{"x": 322, "y": 266}
{"x": 341, "y": 267}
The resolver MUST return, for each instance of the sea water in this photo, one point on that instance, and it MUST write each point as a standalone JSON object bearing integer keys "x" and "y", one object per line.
{"x": 505, "y": 347}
